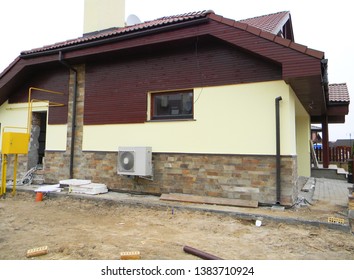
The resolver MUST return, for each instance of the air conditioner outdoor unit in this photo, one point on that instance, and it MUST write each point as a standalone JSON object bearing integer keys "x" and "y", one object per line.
{"x": 135, "y": 161}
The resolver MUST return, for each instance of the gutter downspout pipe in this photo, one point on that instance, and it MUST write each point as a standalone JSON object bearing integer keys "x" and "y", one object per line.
{"x": 73, "y": 123}
{"x": 278, "y": 163}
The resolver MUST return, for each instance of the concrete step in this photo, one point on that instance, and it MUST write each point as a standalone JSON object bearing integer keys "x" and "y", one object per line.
{"x": 330, "y": 173}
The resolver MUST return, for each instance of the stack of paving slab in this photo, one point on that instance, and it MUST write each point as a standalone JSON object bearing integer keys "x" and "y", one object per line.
{"x": 84, "y": 186}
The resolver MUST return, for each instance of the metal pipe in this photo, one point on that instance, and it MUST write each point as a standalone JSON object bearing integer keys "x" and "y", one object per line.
{"x": 278, "y": 163}
{"x": 73, "y": 121}
{"x": 29, "y": 117}
{"x": 201, "y": 254}
{"x": 15, "y": 174}
{"x": 3, "y": 174}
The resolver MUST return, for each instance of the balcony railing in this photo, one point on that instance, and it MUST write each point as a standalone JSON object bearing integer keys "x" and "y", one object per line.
{"x": 339, "y": 154}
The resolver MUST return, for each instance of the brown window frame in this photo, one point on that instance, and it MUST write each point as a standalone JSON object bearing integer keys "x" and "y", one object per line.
{"x": 176, "y": 109}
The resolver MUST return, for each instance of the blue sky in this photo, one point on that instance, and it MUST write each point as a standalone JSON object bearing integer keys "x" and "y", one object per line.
{"x": 321, "y": 25}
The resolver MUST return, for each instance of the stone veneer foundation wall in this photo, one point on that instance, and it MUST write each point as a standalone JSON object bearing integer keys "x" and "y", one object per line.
{"x": 230, "y": 176}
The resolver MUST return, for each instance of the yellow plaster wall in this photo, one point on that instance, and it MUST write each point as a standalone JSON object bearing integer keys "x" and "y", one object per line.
{"x": 13, "y": 115}
{"x": 303, "y": 134}
{"x": 234, "y": 119}
{"x": 56, "y": 137}
{"x": 16, "y": 115}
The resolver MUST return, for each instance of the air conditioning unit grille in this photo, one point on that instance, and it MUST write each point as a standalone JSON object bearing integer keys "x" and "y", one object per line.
{"x": 135, "y": 161}
{"x": 126, "y": 161}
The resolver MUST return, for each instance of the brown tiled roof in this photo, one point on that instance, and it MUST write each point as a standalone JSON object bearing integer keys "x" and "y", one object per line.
{"x": 163, "y": 21}
{"x": 271, "y": 23}
{"x": 338, "y": 93}
{"x": 171, "y": 20}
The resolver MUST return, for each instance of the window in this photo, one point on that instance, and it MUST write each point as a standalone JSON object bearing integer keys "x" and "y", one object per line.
{"x": 172, "y": 105}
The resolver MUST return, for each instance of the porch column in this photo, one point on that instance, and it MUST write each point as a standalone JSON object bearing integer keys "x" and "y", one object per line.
{"x": 325, "y": 146}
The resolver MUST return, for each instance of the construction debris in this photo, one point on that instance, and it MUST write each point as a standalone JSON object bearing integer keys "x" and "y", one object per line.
{"x": 49, "y": 188}
{"x": 84, "y": 186}
{"x": 26, "y": 179}
{"x": 74, "y": 182}
{"x": 91, "y": 188}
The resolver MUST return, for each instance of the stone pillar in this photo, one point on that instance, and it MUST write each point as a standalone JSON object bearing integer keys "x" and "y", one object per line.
{"x": 34, "y": 143}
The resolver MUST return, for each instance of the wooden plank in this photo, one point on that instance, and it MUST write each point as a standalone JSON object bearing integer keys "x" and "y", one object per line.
{"x": 209, "y": 200}
{"x": 313, "y": 154}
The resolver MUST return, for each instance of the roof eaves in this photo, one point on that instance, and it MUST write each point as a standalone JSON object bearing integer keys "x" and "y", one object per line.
{"x": 315, "y": 53}
{"x": 8, "y": 68}
{"x": 298, "y": 47}
{"x": 268, "y": 35}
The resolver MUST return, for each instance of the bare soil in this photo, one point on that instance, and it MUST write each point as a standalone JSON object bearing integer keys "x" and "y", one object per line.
{"x": 85, "y": 229}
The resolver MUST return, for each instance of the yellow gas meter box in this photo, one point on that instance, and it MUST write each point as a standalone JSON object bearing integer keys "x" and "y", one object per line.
{"x": 15, "y": 143}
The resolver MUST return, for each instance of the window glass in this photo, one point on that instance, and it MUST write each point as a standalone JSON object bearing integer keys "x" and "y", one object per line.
{"x": 172, "y": 105}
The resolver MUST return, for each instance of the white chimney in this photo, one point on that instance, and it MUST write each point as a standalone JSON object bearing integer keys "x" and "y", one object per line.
{"x": 103, "y": 14}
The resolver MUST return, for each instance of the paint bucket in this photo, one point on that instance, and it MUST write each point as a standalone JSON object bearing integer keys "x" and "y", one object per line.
{"x": 39, "y": 196}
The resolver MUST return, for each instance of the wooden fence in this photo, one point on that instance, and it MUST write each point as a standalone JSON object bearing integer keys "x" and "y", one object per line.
{"x": 336, "y": 154}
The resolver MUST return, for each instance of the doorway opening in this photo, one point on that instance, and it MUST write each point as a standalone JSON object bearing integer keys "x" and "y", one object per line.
{"x": 36, "y": 151}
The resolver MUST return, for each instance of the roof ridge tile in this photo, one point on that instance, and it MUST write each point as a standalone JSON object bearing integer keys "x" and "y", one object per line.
{"x": 253, "y": 30}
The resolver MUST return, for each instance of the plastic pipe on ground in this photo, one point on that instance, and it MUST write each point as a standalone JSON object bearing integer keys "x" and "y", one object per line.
{"x": 201, "y": 254}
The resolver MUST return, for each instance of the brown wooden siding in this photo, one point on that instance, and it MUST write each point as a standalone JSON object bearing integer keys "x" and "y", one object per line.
{"x": 116, "y": 90}
{"x": 56, "y": 79}
{"x": 295, "y": 63}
